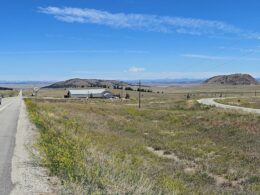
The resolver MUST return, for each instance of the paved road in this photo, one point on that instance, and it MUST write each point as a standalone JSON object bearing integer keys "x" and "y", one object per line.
{"x": 211, "y": 102}
{"x": 9, "y": 114}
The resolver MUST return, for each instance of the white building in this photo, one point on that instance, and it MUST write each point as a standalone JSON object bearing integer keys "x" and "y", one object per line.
{"x": 90, "y": 93}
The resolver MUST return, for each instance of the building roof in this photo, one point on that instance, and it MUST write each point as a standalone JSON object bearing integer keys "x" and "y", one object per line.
{"x": 87, "y": 91}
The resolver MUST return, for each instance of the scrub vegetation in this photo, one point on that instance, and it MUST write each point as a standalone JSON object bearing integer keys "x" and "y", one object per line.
{"x": 8, "y": 93}
{"x": 170, "y": 145}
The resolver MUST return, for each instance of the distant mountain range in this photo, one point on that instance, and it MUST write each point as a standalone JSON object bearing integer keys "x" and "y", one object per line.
{"x": 81, "y": 83}
{"x": 166, "y": 81}
{"x": 77, "y": 83}
{"x": 26, "y": 82}
{"x": 147, "y": 81}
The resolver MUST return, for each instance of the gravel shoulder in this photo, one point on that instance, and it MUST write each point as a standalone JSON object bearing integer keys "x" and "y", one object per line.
{"x": 212, "y": 102}
{"x": 27, "y": 176}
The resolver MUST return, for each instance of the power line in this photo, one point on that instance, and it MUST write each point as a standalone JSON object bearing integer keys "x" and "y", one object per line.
{"x": 249, "y": 53}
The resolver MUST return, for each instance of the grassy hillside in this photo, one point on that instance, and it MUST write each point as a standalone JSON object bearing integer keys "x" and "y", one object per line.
{"x": 83, "y": 83}
{"x": 170, "y": 145}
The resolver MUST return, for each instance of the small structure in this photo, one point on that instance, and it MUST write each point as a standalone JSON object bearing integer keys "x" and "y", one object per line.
{"x": 90, "y": 93}
{"x": 35, "y": 91}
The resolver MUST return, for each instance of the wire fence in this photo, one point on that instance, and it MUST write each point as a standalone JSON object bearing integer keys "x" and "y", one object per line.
{"x": 220, "y": 94}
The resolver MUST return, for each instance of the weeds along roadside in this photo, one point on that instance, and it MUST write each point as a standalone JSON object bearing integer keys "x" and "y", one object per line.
{"x": 72, "y": 155}
{"x": 114, "y": 144}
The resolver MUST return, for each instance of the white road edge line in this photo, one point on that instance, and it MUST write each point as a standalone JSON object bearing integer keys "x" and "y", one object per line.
{"x": 4, "y": 107}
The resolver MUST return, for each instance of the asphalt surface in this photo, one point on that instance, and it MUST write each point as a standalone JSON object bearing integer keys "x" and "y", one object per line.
{"x": 212, "y": 102}
{"x": 9, "y": 114}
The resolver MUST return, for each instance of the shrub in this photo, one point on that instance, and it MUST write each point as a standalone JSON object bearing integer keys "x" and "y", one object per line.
{"x": 127, "y": 96}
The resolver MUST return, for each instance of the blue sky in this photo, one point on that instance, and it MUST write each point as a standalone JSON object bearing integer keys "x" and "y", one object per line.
{"x": 128, "y": 39}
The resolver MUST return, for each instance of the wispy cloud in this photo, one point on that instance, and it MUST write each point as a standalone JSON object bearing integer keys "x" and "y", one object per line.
{"x": 135, "y": 69}
{"x": 209, "y": 57}
{"x": 146, "y": 22}
{"x": 205, "y": 57}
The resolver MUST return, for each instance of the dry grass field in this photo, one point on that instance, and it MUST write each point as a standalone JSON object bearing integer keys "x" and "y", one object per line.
{"x": 248, "y": 102}
{"x": 196, "y": 90}
{"x": 170, "y": 145}
{"x": 7, "y": 93}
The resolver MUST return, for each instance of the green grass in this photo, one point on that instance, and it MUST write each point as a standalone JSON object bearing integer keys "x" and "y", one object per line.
{"x": 100, "y": 147}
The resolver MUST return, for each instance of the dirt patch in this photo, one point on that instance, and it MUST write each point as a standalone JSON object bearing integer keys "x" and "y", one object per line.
{"x": 220, "y": 180}
{"x": 163, "y": 153}
{"x": 161, "y": 102}
{"x": 190, "y": 170}
{"x": 191, "y": 167}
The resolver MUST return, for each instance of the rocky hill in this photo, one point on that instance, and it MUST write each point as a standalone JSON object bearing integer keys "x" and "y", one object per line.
{"x": 82, "y": 83}
{"x": 233, "y": 79}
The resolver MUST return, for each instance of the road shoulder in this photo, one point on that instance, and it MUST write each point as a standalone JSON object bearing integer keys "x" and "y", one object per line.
{"x": 27, "y": 176}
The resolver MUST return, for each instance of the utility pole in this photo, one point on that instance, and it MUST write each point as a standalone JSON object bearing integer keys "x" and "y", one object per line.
{"x": 139, "y": 93}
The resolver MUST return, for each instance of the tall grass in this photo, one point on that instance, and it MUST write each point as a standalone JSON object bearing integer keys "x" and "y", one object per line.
{"x": 101, "y": 147}
{"x": 72, "y": 154}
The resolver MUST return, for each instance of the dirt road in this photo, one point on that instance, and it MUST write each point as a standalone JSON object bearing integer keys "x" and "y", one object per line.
{"x": 212, "y": 102}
